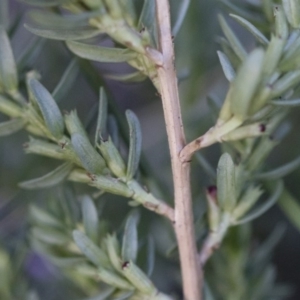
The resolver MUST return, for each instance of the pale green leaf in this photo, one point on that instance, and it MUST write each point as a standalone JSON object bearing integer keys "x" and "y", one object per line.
{"x": 11, "y": 126}
{"x": 130, "y": 237}
{"x": 111, "y": 185}
{"x": 102, "y": 116}
{"x": 54, "y": 26}
{"x": 281, "y": 171}
{"x": 232, "y": 39}
{"x": 183, "y": 8}
{"x": 50, "y": 111}
{"x": 135, "y": 145}
{"x": 291, "y": 207}
{"x": 4, "y": 14}
{"x": 292, "y": 11}
{"x": 287, "y": 103}
{"x": 226, "y": 66}
{"x": 53, "y": 178}
{"x": 148, "y": 17}
{"x": 281, "y": 26}
{"x": 66, "y": 81}
{"x": 46, "y": 3}
{"x": 251, "y": 28}
{"x": 90, "y": 250}
{"x": 8, "y": 70}
{"x": 226, "y": 183}
{"x": 113, "y": 279}
{"x": 263, "y": 207}
{"x": 133, "y": 77}
{"x": 246, "y": 83}
{"x": 89, "y": 157}
{"x": 90, "y": 218}
{"x": 285, "y": 83}
{"x": 50, "y": 236}
{"x": 43, "y": 218}
{"x": 101, "y": 54}
{"x": 150, "y": 255}
{"x": 138, "y": 278}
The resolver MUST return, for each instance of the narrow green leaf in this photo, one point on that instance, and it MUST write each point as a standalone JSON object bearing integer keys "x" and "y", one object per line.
{"x": 4, "y": 14}
{"x": 246, "y": 83}
{"x": 113, "y": 158}
{"x": 103, "y": 295}
{"x": 11, "y": 126}
{"x": 288, "y": 103}
{"x": 66, "y": 81}
{"x": 281, "y": 26}
{"x": 113, "y": 279}
{"x": 113, "y": 129}
{"x": 129, "y": 11}
{"x": 46, "y": 3}
{"x": 123, "y": 295}
{"x": 50, "y": 111}
{"x": 267, "y": 6}
{"x": 8, "y": 70}
{"x": 50, "y": 236}
{"x": 232, "y": 39}
{"x": 249, "y": 198}
{"x": 291, "y": 207}
{"x": 102, "y": 116}
{"x": 101, "y": 54}
{"x": 150, "y": 255}
{"x": 43, "y": 218}
{"x": 183, "y": 8}
{"x": 138, "y": 278}
{"x": 90, "y": 218}
{"x": 272, "y": 56}
{"x": 135, "y": 146}
{"x": 30, "y": 52}
{"x": 113, "y": 251}
{"x": 292, "y": 11}
{"x": 242, "y": 11}
{"x": 281, "y": 171}
{"x": 111, "y": 185}
{"x": 90, "y": 250}
{"x": 285, "y": 83}
{"x": 264, "y": 207}
{"x": 226, "y": 66}
{"x": 147, "y": 19}
{"x": 89, "y": 157}
{"x": 130, "y": 237}
{"x": 260, "y": 152}
{"x": 133, "y": 77}
{"x": 43, "y": 148}
{"x": 251, "y": 28}
{"x": 54, "y": 26}
{"x": 53, "y": 178}
{"x": 74, "y": 125}
{"x": 226, "y": 183}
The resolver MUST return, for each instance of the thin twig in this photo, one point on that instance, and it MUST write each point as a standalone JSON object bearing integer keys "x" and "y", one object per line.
{"x": 184, "y": 224}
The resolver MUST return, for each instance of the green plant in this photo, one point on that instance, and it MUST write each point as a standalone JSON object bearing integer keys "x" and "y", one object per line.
{"x": 261, "y": 86}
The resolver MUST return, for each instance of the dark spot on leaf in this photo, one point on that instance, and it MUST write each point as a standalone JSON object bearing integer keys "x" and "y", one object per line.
{"x": 262, "y": 127}
{"x": 125, "y": 264}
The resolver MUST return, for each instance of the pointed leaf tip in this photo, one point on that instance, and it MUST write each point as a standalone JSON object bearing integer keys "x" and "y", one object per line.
{"x": 49, "y": 109}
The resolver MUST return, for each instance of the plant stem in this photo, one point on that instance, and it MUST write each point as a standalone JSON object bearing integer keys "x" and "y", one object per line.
{"x": 184, "y": 224}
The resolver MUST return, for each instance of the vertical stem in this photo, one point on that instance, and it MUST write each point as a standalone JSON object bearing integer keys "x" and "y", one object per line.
{"x": 184, "y": 224}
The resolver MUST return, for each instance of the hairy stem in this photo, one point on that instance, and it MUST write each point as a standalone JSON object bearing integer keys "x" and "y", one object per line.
{"x": 184, "y": 224}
